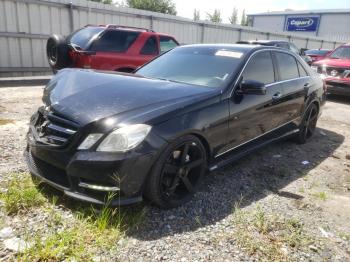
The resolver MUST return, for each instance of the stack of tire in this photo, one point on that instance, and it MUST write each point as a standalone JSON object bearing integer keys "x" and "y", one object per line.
{"x": 57, "y": 50}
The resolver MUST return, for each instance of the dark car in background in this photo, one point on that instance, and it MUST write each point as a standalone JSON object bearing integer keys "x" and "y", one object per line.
{"x": 318, "y": 54}
{"x": 335, "y": 70}
{"x": 155, "y": 133}
{"x": 282, "y": 44}
{"x": 107, "y": 47}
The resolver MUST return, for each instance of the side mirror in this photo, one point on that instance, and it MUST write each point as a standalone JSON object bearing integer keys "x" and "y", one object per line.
{"x": 252, "y": 87}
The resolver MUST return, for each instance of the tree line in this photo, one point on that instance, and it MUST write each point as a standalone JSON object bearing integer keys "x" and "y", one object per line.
{"x": 168, "y": 7}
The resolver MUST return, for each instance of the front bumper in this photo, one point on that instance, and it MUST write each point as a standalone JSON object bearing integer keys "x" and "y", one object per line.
{"x": 338, "y": 86}
{"x": 95, "y": 177}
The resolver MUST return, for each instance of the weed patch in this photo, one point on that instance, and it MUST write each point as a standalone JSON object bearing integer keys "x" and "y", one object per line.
{"x": 4, "y": 121}
{"x": 268, "y": 236}
{"x": 20, "y": 194}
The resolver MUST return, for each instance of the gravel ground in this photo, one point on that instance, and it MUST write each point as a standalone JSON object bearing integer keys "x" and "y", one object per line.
{"x": 272, "y": 181}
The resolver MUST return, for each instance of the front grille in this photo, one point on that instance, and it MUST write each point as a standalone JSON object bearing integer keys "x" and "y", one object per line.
{"x": 54, "y": 130}
{"x": 334, "y": 71}
{"x": 48, "y": 171}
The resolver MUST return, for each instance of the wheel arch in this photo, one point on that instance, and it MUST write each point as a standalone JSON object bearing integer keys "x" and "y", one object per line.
{"x": 205, "y": 143}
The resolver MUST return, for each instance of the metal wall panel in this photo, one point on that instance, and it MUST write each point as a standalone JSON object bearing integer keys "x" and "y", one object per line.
{"x": 299, "y": 42}
{"x": 26, "y": 24}
{"x": 332, "y": 26}
{"x": 312, "y": 44}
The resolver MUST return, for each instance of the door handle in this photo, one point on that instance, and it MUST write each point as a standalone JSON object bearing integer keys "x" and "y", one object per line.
{"x": 277, "y": 96}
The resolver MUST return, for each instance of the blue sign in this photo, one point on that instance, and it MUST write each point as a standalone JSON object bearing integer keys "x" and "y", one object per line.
{"x": 307, "y": 24}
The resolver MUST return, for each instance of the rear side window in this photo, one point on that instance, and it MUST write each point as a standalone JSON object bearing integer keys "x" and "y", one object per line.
{"x": 287, "y": 66}
{"x": 150, "y": 47}
{"x": 294, "y": 48}
{"x": 260, "y": 68}
{"x": 166, "y": 43}
{"x": 115, "y": 41}
{"x": 82, "y": 37}
{"x": 302, "y": 71}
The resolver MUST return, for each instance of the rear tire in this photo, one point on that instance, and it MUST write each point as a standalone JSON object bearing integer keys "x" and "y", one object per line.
{"x": 57, "y": 52}
{"x": 308, "y": 125}
{"x": 177, "y": 173}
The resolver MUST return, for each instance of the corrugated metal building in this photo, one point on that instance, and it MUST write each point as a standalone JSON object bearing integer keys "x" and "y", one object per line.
{"x": 333, "y": 24}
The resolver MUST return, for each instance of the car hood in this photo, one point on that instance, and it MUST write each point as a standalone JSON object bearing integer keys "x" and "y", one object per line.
{"x": 85, "y": 96}
{"x": 334, "y": 62}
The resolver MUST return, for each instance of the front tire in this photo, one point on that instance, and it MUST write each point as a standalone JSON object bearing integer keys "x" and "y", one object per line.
{"x": 178, "y": 172}
{"x": 308, "y": 124}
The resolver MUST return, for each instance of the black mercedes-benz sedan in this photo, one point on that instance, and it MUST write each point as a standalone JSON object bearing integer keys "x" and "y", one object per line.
{"x": 155, "y": 133}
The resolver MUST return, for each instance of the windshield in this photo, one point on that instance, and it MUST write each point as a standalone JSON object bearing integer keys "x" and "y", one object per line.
{"x": 204, "y": 66}
{"x": 82, "y": 37}
{"x": 341, "y": 52}
{"x": 316, "y": 52}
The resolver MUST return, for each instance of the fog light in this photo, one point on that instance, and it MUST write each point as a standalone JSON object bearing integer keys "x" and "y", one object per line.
{"x": 99, "y": 188}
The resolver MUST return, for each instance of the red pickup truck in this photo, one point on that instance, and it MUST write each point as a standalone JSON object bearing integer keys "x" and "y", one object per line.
{"x": 107, "y": 47}
{"x": 335, "y": 69}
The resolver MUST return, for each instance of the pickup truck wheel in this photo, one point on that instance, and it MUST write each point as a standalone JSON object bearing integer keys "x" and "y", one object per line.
{"x": 178, "y": 172}
{"x": 57, "y": 52}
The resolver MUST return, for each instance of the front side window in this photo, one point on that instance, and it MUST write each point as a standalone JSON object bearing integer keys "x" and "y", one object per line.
{"x": 260, "y": 68}
{"x": 287, "y": 66}
{"x": 202, "y": 66}
{"x": 114, "y": 41}
{"x": 166, "y": 43}
{"x": 150, "y": 47}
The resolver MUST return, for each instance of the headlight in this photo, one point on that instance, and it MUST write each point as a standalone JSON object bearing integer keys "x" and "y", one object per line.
{"x": 89, "y": 141}
{"x": 125, "y": 138}
{"x": 314, "y": 68}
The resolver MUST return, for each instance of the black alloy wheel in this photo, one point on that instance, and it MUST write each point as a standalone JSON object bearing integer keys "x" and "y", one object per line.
{"x": 177, "y": 173}
{"x": 308, "y": 125}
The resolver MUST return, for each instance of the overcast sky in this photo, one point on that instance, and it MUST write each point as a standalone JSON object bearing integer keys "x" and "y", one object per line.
{"x": 185, "y": 7}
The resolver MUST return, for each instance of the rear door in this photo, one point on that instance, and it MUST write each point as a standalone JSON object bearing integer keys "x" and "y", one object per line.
{"x": 295, "y": 82}
{"x": 149, "y": 50}
{"x": 251, "y": 115}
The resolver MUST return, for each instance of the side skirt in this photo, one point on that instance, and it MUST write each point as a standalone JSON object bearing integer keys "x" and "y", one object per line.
{"x": 245, "y": 150}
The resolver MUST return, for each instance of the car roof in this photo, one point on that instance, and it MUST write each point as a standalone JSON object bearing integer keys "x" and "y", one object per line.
{"x": 129, "y": 28}
{"x": 319, "y": 49}
{"x": 120, "y": 27}
{"x": 262, "y": 41}
{"x": 234, "y": 47}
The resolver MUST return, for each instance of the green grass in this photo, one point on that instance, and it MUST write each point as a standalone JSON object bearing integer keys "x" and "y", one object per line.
{"x": 21, "y": 194}
{"x": 90, "y": 232}
{"x": 266, "y": 235}
{"x": 80, "y": 237}
{"x": 321, "y": 195}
